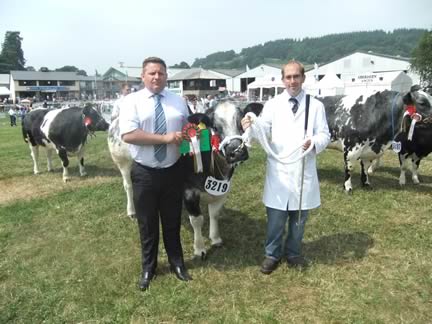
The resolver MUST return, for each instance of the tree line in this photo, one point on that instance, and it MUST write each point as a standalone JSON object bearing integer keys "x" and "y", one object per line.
{"x": 316, "y": 50}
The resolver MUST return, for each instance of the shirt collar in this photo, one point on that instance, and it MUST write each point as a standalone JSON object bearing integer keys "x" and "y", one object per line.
{"x": 299, "y": 97}
{"x": 149, "y": 94}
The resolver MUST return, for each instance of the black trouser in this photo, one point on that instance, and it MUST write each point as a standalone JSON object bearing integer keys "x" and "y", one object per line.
{"x": 158, "y": 192}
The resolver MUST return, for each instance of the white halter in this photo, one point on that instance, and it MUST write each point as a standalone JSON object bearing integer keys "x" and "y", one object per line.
{"x": 256, "y": 130}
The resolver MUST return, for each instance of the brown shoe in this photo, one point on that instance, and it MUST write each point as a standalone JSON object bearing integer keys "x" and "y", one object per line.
{"x": 298, "y": 262}
{"x": 269, "y": 265}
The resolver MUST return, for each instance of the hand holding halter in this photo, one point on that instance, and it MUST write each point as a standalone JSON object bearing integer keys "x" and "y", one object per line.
{"x": 257, "y": 130}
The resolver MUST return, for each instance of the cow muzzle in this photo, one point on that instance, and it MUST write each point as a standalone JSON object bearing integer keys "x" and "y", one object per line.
{"x": 235, "y": 151}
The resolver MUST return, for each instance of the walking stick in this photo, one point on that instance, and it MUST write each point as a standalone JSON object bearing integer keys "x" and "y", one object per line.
{"x": 303, "y": 160}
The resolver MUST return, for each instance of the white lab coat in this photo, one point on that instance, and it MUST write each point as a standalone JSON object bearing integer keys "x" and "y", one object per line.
{"x": 286, "y": 132}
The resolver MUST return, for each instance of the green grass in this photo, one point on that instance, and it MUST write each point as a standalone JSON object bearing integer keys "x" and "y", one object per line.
{"x": 68, "y": 253}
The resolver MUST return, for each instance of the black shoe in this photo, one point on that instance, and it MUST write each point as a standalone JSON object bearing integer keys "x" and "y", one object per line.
{"x": 298, "y": 262}
{"x": 145, "y": 279}
{"x": 269, "y": 265}
{"x": 181, "y": 273}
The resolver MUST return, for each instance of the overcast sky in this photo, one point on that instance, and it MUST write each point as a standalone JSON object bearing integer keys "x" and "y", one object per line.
{"x": 97, "y": 34}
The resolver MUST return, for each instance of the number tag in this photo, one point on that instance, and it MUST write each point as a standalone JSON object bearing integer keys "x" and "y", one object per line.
{"x": 396, "y": 146}
{"x": 216, "y": 187}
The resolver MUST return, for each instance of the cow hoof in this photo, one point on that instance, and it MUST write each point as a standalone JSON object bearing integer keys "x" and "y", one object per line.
{"x": 66, "y": 179}
{"x": 367, "y": 187}
{"x": 217, "y": 245}
{"x": 132, "y": 217}
{"x": 349, "y": 192}
{"x": 84, "y": 174}
{"x": 201, "y": 257}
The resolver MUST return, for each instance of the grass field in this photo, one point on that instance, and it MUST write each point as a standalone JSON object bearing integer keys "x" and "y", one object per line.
{"x": 68, "y": 253}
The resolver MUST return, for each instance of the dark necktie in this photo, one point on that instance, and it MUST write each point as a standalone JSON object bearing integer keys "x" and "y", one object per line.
{"x": 295, "y": 105}
{"x": 160, "y": 150}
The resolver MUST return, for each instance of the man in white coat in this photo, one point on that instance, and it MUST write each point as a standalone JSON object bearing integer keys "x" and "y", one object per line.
{"x": 284, "y": 120}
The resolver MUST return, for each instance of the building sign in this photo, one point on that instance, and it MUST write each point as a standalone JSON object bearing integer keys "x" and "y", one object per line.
{"x": 47, "y": 88}
{"x": 367, "y": 78}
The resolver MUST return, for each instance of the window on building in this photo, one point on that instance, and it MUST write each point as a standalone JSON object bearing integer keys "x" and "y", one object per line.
{"x": 27, "y": 82}
{"x": 48, "y": 83}
{"x": 66, "y": 83}
{"x": 212, "y": 83}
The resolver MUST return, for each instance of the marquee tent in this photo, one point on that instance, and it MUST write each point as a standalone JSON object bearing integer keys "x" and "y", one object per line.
{"x": 4, "y": 91}
{"x": 265, "y": 88}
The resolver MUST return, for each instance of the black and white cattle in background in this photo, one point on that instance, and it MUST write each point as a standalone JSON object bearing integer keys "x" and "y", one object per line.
{"x": 364, "y": 126}
{"x": 417, "y": 146}
{"x": 212, "y": 184}
{"x": 64, "y": 130}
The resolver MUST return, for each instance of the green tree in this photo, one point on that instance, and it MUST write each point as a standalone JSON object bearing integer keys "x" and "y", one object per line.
{"x": 181, "y": 65}
{"x": 422, "y": 59}
{"x": 82, "y": 72}
{"x": 12, "y": 55}
{"x": 67, "y": 68}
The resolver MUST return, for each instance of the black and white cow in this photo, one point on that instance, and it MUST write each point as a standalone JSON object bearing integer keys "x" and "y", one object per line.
{"x": 420, "y": 145}
{"x": 64, "y": 130}
{"x": 363, "y": 126}
{"x": 218, "y": 167}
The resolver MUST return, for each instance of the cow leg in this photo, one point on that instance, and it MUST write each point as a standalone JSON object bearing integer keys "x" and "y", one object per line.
{"x": 403, "y": 162}
{"x": 125, "y": 171}
{"x": 348, "y": 168}
{"x": 192, "y": 205}
{"x": 415, "y": 165}
{"x": 80, "y": 155}
{"x": 199, "y": 246}
{"x": 214, "y": 209}
{"x": 49, "y": 152}
{"x": 34, "y": 152}
{"x": 364, "y": 177}
{"x": 65, "y": 162}
{"x": 374, "y": 165}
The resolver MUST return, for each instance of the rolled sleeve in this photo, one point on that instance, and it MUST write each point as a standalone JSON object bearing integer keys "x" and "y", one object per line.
{"x": 128, "y": 119}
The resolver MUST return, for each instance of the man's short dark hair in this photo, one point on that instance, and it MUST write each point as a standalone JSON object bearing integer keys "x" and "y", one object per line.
{"x": 155, "y": 60}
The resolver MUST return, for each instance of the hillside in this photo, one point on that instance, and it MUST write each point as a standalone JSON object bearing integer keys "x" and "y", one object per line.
{"x": 320, "y": 49}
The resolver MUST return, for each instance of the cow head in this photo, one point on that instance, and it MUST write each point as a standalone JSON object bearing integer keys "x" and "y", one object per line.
{"x": 420, "y": 99}
{"x": 224, "y": 121}
{"x": 93, "y": 120}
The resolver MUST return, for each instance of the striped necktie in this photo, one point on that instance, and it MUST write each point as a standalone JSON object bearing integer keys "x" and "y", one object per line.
{"x": 160, "y": 150}
{"x": 295, "y": 104}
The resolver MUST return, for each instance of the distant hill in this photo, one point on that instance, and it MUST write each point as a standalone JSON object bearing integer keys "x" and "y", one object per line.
{"x": 316, "y": 50}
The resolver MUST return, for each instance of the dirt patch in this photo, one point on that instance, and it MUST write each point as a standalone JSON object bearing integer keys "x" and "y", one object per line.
{"x": 43, "y": 185}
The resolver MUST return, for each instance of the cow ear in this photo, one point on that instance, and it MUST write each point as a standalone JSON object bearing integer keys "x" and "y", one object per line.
{"x": 199, "y": 118}
{"x": 254, "y": 107}
{"x": 87, "y": 110}
{"x": 415, "y": 88}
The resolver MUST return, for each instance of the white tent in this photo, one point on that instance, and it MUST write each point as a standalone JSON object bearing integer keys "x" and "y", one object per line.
{"x": 330, "y": 85}
{"x": 265, "y": 88}
{"x": 4, "y": 91}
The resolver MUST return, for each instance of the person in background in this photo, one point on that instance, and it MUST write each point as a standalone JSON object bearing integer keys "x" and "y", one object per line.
{"x": 12, "y": 115}
{"x": 124, "y": 91}
{"x": 151, "y": 121}
{"x": 284, "y": 120}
